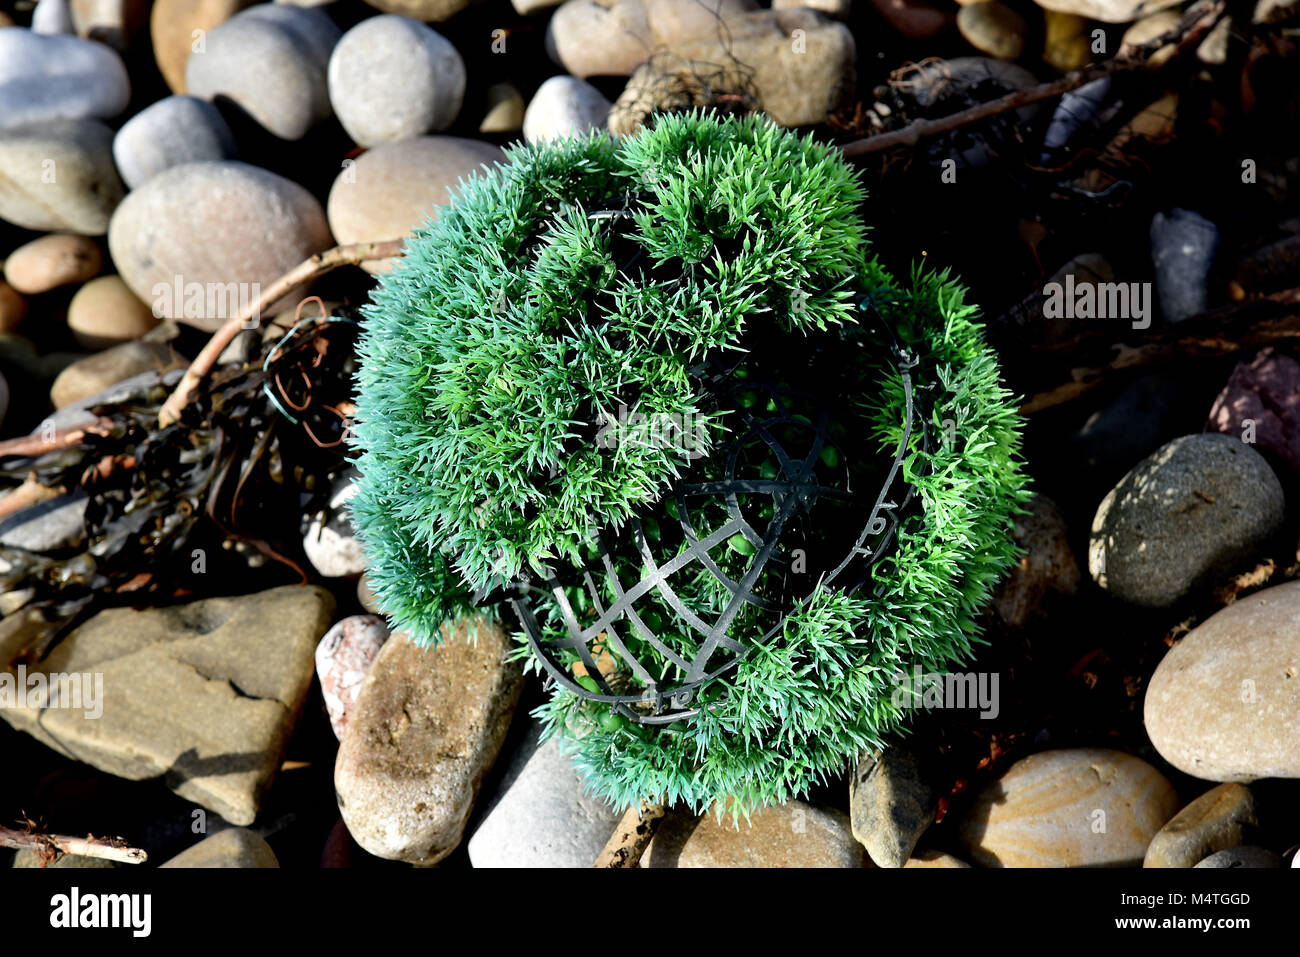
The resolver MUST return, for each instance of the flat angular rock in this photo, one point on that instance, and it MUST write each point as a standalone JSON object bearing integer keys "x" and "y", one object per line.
{"x": 890, "y": 805}
{"x": 205, "y": 693}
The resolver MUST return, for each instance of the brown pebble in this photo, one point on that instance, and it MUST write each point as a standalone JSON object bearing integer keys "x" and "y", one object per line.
{"x": 52, "y": 261}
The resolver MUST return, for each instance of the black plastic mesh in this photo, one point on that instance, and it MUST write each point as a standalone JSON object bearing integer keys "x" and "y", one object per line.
{"x": 798, "y": 482}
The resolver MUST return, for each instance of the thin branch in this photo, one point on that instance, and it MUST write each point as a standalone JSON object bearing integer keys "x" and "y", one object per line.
{"x": 37, "y": 444}
{"x": 1198, "y": 21}
{"x": 1273, "y": 318}
{"x": 50, "y": 846}
{"x": 632, "y": 836}
{"x": 316, "y": 266}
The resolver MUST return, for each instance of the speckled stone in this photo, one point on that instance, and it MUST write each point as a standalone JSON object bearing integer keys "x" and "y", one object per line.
{"x": 392, "y": 78}
{"x": 343, "y": 659}
{"x": 1182, "y": 518}
{"x": 1224, "y": 703}
{"x": 218, "y": 225}
{"x": 426, "y": 728}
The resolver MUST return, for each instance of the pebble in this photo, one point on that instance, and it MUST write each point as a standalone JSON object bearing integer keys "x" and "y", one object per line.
{"x": 594, "y": 38}
{"x": 1150, "y": 27}
{"x": 1261, "y": 405}
{"x": 86, "y": 377}
{"x": 392, "y": 78}
{"x": 1214, "y": 48}
{"x": 58, "y": 259}
{"x": 332, "y": 545}
{"x": 430, "y": 11}
{"x": 505, "y": 110}
{"x": 105, "y": 312}
{"x": 1183, "y": 245}
{"x": 231, "y": 847}
{"x": 13, "y": 307}
{"x": 202, "y": 694}
{"x": 52, "y": 17}
{"x": 1248, "y": 857}
{"x": 390, "y": 190}
{"x": 891, "y": 803}
{"x": 1066, "y": 45}
{"x": 60, "y": 176}
{"x": 1108, "y": 11}
{"x": 1221, "y": 818}
{"x": 426, "y": 728}
{"x": 794, "y": 834}
{"x": 44, "y": 78}
{"x": 802, "y": 68}
{"x": 343, "y": 658}
{"x": 271, "y": 61}
{"x": 564, "y": 106}
{"x": 1047, "y": 570}
{"x": 214, "y": 224}
{"x": 1077, "y": 807}
{"x": 836, "y": 9}
{"x": 543, "y": 816}
{"x": 993, "y": 28}
{"x": 172, "y": 26}
{"x": 1224, "y": 703}
{"x": 1191, "y": 512}
{"x": 175, "y": 130}
{"x": 934, "y": 859}
{"x": 366, "y": 597}
{"x": 47, "y": 526}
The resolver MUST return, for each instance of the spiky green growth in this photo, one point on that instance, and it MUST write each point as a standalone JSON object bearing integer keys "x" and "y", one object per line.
{"x": 507, "y": 333}
{"x": 796, "y": 712}
{"x": 514, "y": 324}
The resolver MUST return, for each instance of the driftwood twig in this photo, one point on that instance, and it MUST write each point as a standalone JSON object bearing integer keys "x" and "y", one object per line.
{"x": 1196, "y": 23}
{"x": 632, "y": 836}
{"x": 50, "y": 846}
{"x": 305, "y": 271}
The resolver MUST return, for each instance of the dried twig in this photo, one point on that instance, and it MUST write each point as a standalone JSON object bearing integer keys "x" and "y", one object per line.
{"x": 50, "y": 846}
{"x": 316, "y": 266}
{"x": 632, "y": 836}
{"x": 1272, "y": 318}
{"x": 1196, "y": 23}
